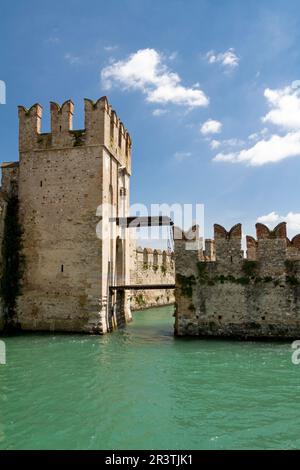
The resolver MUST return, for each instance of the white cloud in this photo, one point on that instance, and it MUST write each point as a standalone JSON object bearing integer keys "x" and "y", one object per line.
{"x": 233, "y": 142}
{"x": 258, "y": 135}
{"x": 228, "y": 58}
{"x": 214, "y": 144}
{"x": 159, "y": 112}
{"x": 54, "y": 37}
{"x": 274, "y": 149}
{"x": 72, "y": 59}
{"x": 285, "y": 114}
{"x": 180, "y": 156}
{"x": 211, "y": 127}
{"x": 268, "y": 219}
{"x": 292, "y": 219}
{"x": 173, "y": 56}
{"x": 110, "y": 48}
{"x": 145, "y": 71}
{"x": 53, "y": 40}
{"x": 285, "y": 104}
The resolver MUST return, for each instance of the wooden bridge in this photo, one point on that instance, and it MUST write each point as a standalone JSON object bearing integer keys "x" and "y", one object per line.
{"x": 142, "y": 287}
{"x": 143, "y": 221}
{"x": 117, "y": 308}
{"x": 117, "y": 296}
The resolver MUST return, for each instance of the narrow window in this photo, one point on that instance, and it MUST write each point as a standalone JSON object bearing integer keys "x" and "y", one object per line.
{"x": 112, "y": 125}
{"x": 41, "y": 183}
{"x": 145, "y": 257}
{"x": 230, "y": 259}
{"x": 62, "y": 268}
{"x": 127, "y": 145}
{"x": 120, "y": 137}
{"x": 59, "y": 128}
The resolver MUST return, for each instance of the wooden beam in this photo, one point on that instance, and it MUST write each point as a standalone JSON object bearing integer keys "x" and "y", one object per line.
{"x": 136, "y": 222}
{"x": 143, "y": 287}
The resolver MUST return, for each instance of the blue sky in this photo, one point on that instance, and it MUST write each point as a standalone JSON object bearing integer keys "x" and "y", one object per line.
{"x": 207, "y": 89}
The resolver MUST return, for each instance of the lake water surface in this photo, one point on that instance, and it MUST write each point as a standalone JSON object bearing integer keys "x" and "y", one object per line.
{"x": 141, "y": 388}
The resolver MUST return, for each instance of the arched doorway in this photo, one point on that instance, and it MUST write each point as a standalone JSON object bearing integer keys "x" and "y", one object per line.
{"x": 119, "y": 262}
{"x": 120, "y": 299}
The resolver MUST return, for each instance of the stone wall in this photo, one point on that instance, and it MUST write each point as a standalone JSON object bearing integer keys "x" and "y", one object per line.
{"x": 9, "y": 188}
{"x": 233, "y": 296}
{"x": 64, "y": 177}
{"x": 152, "y": 267}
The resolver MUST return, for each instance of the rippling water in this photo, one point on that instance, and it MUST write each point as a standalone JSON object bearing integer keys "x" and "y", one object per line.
{"x": 141, "y": 388}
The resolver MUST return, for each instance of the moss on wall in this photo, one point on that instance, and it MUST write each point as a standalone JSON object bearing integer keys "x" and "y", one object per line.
{"x": 13, "y": 261}
{"x": 202, "y": 277}
{"x": 78, "y": 137}
{"x": 163, "y": 270}
{"x": 291, "y": 267}
{"x": 249, "y": 267}
{"x": 292, "y": 280}
{"x": 186, "y": 284}
{"x": 140, "y": 300}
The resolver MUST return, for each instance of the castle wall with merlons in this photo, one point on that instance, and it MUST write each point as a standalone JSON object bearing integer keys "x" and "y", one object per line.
{"x": 257, "y": 296}
{"x": 152, "y": 267}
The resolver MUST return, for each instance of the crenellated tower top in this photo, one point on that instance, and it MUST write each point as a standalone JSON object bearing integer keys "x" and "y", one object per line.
{"x": 102, "y": 127}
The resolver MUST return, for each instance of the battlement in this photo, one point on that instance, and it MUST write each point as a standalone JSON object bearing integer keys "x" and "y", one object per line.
{"x": 102, "y": 127}
{"x": 148, "y": 257}
{"x": 271, "y": 248}
{"x": 152, "y": 266}
{"x": 293, "y": 248}
{"x": 225, "y": 293}
{"x": 263, "y": 232}
{"x": 209, "y": 250}
{"x": 228, "y": 243}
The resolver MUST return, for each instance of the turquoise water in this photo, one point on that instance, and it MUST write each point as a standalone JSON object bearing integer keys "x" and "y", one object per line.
{"x": 141, "y": 388}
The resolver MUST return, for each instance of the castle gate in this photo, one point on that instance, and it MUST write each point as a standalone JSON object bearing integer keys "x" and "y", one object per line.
{"x": 117, "y": 291}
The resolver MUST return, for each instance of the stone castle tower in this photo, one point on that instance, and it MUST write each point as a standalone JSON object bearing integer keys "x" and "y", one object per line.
{"x": 72, "y": 187}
